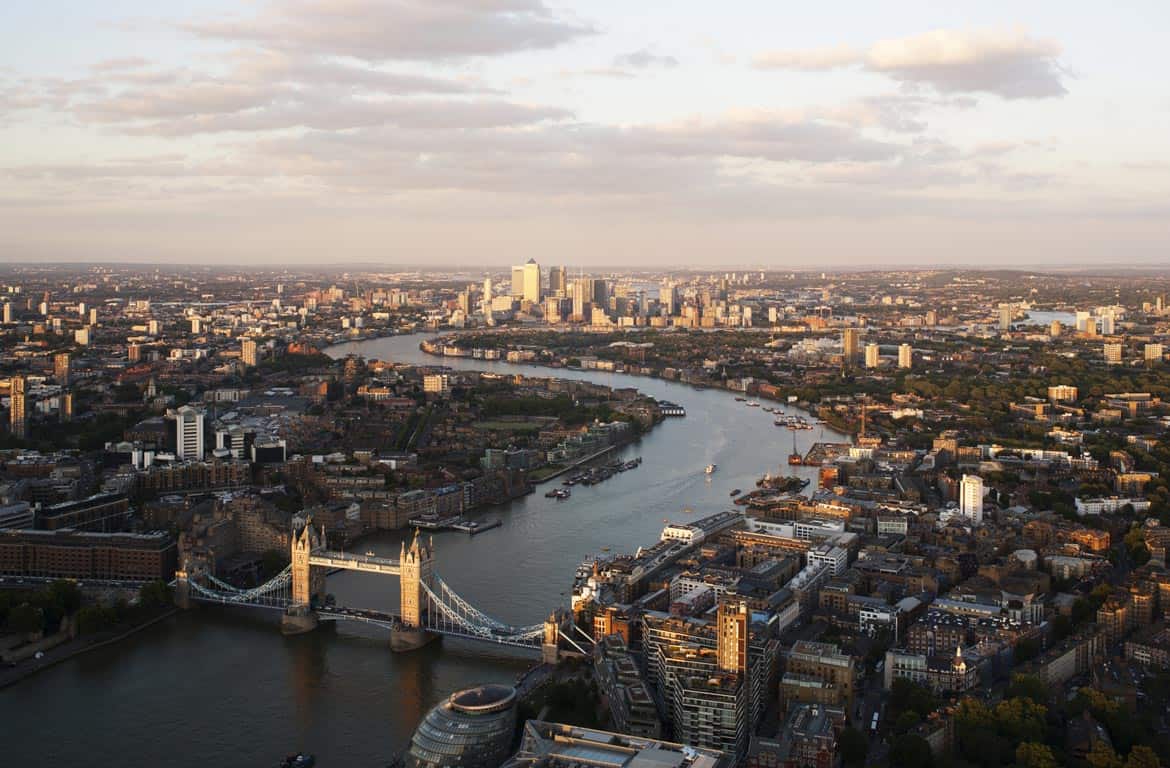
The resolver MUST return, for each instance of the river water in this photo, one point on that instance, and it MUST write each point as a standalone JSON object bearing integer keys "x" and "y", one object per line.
{"x": 224, "y": 688}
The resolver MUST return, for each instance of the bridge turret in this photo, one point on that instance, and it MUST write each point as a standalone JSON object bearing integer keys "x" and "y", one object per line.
{"x": 306, "y": 584}
{"x": 417, "y": 568}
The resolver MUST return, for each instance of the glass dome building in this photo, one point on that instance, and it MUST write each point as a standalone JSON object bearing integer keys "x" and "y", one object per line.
{"x": 472, "y": 728}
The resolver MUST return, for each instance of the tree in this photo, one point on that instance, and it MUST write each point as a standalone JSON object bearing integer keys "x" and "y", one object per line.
{"x": 154, "y": 595}
{"x": 910, "y": 752}
{"x": 1028, "y": 687}
{"x": 1142, "y": 757}
{"x": 1033, "y": 755}
{"x": 853, "y": 747}
{"x": 906, "y": 721}
{"x": 1021, "y": 719}
{"x": 66, "y": 595}
{"x": 25, "y": 619}
{"x": 1103, "y": 756}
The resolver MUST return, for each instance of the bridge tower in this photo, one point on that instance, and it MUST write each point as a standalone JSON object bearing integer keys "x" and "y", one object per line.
{"x": 307, "y": 584}
{"x": 417, "y": 568}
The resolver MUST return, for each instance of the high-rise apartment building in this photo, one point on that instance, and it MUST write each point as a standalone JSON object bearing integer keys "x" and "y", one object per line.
{"x": 712, "y": 678}
{"x": 971, "y": 498}
{"x": 61, "y": 368}
{"x": 188, "y": 434}
{"x": 1005, "y": 317}
{"x": 1112, "y": 354}
{"x": 872, "y": 355}
{"x": 248, "y": 352}
{"x": 849, "y": 345}
{"x": 905, "y": 356}
{"x": 17, "y": 418}
{"x": 1154, "y": 353}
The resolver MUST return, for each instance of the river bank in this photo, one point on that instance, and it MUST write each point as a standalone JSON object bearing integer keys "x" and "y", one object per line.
{"x": 75, "y": 648}
{"x": 428, "y": 347}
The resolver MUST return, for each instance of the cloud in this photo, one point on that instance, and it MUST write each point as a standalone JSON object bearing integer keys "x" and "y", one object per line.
{"x": 812, "y": 59}
{"x": 265, "y": 90}
{"x": 382, "y": 30}
{"x": 644, "y": 59}
{"x": 1009, "y": 63}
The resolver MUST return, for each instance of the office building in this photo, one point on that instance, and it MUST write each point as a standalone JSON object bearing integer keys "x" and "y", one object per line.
{"x": 818, "y": 673}
{"x": 971, "y": 498}
{"x": 17, "y": 416}
{"x": 188, "y": 434}
{"x": 557, "y": 285}
{"x": 1112, "y": 354}
{"x": 905, "y": 356}
{"x": 518, "y": 282}
{"x": 1084, "y": 320}
{"x": 849, "y": 345}
{"x": 61, "y": 368}
{"x": 532, "y": 282}
{"x": 472, "y": 728}
{"x": 872, "y": 355}
{"x": 581, "y": 292}
{"x": 248, "y": 352}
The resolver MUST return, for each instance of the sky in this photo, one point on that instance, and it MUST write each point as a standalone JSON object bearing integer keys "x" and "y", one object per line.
{"x": 601, "y": 133}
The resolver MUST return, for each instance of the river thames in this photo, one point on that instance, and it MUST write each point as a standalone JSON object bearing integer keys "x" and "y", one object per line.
{"x": 216, "y": 688}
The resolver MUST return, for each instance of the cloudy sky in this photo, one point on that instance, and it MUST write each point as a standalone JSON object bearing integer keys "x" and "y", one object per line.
{"x": 605, "y": 132}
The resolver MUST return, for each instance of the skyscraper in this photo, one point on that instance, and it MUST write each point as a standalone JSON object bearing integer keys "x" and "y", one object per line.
{"x": 849, "y": 345}
{"x": 517, "y": 281}
{"x": 971, "y": 498}
{"x": 1005, "y": 317}
{"x": 556, "y": 281}
{"x": 188, "y": 434}
{"x": 905, "y": 356}
{"x": 17, "y": 421}
{"x": 61, "y": 368}
{"x": 532, "y": 282}
{"x": 248, "y": 352}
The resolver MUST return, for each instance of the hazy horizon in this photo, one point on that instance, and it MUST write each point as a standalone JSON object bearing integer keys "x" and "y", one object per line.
{"x": 739, "y": 136}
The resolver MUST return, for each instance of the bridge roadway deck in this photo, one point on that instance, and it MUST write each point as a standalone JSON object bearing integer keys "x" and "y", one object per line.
{"x": 326, "y": 558}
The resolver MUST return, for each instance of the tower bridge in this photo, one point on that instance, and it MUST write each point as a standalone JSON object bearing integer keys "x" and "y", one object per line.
{"x": 428, "y": 607}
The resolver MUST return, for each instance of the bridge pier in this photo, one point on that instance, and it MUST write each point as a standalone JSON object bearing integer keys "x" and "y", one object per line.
{"x": 298, "y": 620}
{"x": 407, "y": 639}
